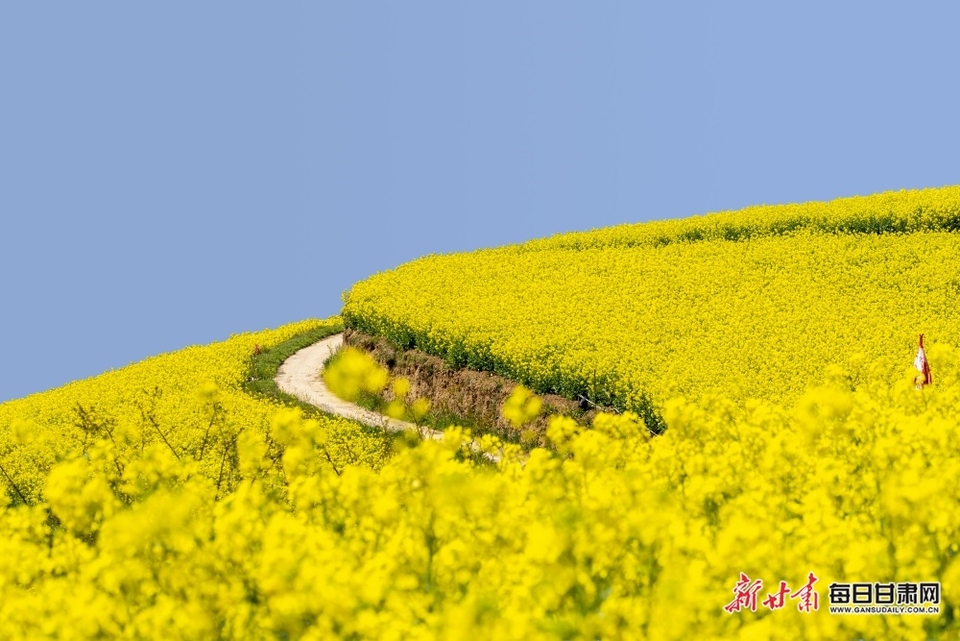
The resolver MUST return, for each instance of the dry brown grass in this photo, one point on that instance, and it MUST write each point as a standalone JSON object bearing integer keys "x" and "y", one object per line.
{"x": 463, "y": 396}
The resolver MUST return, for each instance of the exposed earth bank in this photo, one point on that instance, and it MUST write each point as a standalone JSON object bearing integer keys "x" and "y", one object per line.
{"x": 457, "y": 396}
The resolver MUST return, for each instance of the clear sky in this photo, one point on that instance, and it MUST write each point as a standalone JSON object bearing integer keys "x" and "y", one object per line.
{"x": 172, "y": 173}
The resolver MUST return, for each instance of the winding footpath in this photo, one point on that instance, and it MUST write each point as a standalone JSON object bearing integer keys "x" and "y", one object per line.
{"x": 301, "y": 376}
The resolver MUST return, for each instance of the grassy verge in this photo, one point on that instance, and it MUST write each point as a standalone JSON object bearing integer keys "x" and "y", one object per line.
{"x": 263, "y": 366}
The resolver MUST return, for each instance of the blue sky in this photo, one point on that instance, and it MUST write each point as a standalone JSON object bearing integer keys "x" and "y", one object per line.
{"x": 174, "y": 173}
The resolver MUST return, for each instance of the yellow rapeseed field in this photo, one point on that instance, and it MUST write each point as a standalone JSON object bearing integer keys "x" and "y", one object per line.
{"x": 610, "y": 533}
{"x": 161, "y": 502}
{"x": 751, "y": 304}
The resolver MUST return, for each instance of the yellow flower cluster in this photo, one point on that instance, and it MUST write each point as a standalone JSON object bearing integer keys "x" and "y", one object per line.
{"x": 610, "y": 533}
{"x": 521, "y": 407}
{"x": 354, "y": 373}
{"x": 754, "y": 303}
{"x": 187, "y": 405}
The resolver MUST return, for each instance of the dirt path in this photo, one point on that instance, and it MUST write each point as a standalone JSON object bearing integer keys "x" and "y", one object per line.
{"x": 300, "y": 376}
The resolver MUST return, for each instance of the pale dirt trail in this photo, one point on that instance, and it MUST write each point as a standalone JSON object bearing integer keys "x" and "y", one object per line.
{"x": 300, "y": 376}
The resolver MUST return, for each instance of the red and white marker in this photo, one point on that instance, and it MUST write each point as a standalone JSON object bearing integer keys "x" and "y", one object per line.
{"x": 920, "y": 362}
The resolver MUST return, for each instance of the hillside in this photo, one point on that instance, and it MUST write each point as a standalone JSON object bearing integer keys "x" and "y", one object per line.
{"x": 182, "y": 498}
{"x": 749, "y": 304}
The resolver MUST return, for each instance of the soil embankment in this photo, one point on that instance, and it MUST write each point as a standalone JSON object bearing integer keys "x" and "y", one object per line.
{"x": 464, "y": 396}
